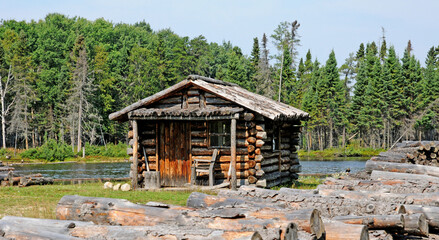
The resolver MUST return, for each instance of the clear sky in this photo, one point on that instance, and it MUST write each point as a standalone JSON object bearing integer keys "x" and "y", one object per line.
{"x": 325, "y": 24}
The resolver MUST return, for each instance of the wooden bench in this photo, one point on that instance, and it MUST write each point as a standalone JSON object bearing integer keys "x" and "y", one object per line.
{"x": 204, "y": 166}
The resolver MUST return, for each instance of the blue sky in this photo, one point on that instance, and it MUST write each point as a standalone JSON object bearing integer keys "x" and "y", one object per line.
{"x": 325, "y": 24}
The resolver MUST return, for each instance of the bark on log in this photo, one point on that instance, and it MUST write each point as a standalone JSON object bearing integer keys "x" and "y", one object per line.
{"x": 159, "y": 232}
{"x": 386, "y": 186}
{"x": 328, "y": 206}
{"x": 402, "y": 168}
{"x": 381, "y": 175}
{"x": 337, "y": 230}
{"x": 109, "y": 211}
{"x": 33, "y": 228}
{"x": 431, "y": 214}
{"x": 30, "y": 180}
{"x": 376, "y": 222}
{"x": 416, "y": 224}
{"x": 308, "y": 219}
{"x": 410, "y": 198}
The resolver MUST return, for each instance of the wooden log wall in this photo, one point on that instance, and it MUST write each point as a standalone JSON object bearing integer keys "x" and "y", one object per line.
{"x": 282, "y": 164}
{"x": 146, "y": 153}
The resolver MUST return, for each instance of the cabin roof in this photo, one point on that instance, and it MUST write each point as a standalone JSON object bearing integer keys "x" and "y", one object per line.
{"x": 254, "y": 102}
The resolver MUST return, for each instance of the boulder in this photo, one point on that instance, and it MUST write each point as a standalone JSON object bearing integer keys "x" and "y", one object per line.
{"x": 116, "y": 187}
{"x": 125, "y": 187}
{"x": 108, "y": 185}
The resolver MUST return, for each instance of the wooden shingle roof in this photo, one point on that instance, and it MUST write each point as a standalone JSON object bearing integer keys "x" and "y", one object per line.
{"x": 254, "y": 102}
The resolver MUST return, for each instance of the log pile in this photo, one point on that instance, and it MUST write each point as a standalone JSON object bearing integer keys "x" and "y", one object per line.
{"x": 9, "y": 178}
{"x": 427, "y": 154}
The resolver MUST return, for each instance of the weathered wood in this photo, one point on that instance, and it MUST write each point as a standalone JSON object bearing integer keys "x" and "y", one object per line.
{"x": 380, "y": 222}
{"x": 401, "y": 167}
{"x": 431, "y": 213}
{"x": 233, "y": 152}
{"x": 411, "y": 198}
{"x": 381, "y": 175}
{"x": 107, "y": 211}
{"x": 31, "y": 180}
{"x": 134, "y": 180}
{"x": 307, "y": 219}
{"x": 249, "y": 116}
{"x": 225, "y": 151}
{"x": 168, "y": 231}
{"x": 416, "y": 224}
{"x": 32, "y": 228}
{"x": 148, "y": 142}
{"x": 336, "y": 230}
{"x": 328, "y": 206}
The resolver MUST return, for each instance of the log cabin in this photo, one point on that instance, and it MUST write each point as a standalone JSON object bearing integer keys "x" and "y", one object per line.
{"x": 204, "y": 131}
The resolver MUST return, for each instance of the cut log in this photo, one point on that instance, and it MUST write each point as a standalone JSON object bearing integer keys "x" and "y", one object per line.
{"x": 410, "y": 198}
{"x": 31, "y": 180}
{"x": 416, "y": 224}
{"x": 307, "y": 219}
{"x": 33, "y": 228}
{"x": 107, "y": 211}
{"x": 381, "y": 175}
{"x": 328, "y": 206}
{"x": 402, "y": 167}
{"x": 336, "y": 230}
{"x": 380, "y": 222}
{"x": 431, "y": 214}
{"x": 159, "y": 232}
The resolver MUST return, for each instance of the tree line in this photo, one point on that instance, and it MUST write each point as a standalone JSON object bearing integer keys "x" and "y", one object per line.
{"x": 61, "y": 77}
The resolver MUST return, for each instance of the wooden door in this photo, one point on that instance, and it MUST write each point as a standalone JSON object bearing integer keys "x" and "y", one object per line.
{"x": 174, "y": 148}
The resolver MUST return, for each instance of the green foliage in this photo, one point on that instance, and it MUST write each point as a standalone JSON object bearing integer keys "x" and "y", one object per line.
{"x": 49, "y": 151}
{"x": 110, "y": 150}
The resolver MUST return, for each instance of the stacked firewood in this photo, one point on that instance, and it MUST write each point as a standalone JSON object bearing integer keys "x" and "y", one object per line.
{"x": 427, "y": 154}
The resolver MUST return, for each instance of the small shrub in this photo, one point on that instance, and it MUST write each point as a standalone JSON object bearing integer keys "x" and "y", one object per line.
{"x": 111, "y": 150}
{"x": 50, "y": 151}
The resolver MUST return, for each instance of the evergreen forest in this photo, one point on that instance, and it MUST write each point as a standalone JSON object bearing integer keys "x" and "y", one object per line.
{"x": 62, "y": 76}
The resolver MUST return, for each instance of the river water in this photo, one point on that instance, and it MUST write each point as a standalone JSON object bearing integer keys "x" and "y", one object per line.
{"x": 121, "y": 169}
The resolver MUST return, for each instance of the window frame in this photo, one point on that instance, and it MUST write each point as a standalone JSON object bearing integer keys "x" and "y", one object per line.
{"x": 227, "y": 133}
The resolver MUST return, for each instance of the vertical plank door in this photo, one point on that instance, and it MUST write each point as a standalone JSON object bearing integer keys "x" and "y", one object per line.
{"x": 174, "y": 148}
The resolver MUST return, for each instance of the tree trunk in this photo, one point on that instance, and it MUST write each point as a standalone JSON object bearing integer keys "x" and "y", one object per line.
{"x": 381, "y": 175}
{"x": 402, "y": 168}
{"x": 79, "y": 145}
{"x": 336, "y": 230}
{"x": 379, "y": 222}
{"x": 431, "y": 214}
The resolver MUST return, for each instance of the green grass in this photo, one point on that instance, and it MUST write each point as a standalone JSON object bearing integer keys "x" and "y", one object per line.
{"x": 40, "y": 201}
{"x": 331, "y": 153}
{"x": 304, "y": 182}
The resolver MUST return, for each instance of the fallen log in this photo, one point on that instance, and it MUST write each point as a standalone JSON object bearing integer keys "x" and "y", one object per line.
{"x": 31, "y": 180}
{"x": 416, "y": 224}
{"x": 328, "y": 206}
{"x": 381, "y": 175}
{"x": 336, "y": 230}
{"x": 402, "y": 168}
{"x": 33, "y": 228}
{"x": 431, "y": 214}
{"x": 389, "y": 186}
{"x": 375, "y": 222}
{"x": 160, "y": 232}
{"x": 410, "y": 198}
{"x": 107, "y": 211}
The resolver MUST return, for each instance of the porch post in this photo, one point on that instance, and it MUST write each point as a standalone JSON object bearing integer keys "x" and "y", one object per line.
{"x": 134, "y": 180}
{"x": 233, "y": 152}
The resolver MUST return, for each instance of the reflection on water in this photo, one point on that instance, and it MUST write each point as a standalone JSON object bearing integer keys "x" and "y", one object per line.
{"x": 318, "y": 166}
{"x": 121, "y": 169}
{"x": 77, "y": 170}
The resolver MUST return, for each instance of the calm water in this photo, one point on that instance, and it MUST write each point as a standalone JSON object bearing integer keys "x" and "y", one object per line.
{"x": 121, "y": 169}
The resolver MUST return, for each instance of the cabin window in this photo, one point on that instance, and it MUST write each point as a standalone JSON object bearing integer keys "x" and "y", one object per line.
{"x": 219, "y": 133}
{"x": 275, "y": 140}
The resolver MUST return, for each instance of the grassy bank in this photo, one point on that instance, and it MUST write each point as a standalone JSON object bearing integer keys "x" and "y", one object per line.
{"x": 332, "y": 153}
{"x": 40, "y": 201}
